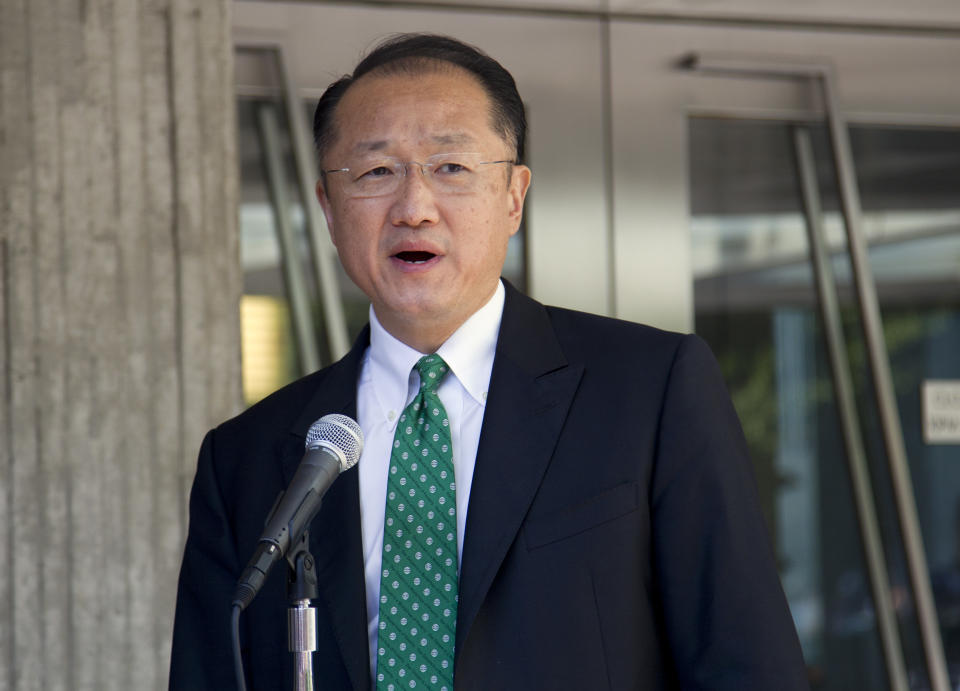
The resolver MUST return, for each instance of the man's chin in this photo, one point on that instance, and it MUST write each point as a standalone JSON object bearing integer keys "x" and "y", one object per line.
{"x": 419, "y": 313}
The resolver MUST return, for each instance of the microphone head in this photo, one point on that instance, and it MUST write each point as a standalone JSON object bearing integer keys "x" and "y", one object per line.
{"x": 340, "y": 434}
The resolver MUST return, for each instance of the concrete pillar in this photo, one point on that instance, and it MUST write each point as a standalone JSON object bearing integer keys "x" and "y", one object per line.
{"x": 120, "y": 285}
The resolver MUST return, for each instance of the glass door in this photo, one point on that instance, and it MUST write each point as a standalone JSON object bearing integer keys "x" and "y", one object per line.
{"x": 756, "y": 303}
{"x": 860, "y": 494}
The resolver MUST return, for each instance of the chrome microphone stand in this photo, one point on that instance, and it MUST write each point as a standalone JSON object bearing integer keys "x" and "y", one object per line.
{"x": 301, "y": 617}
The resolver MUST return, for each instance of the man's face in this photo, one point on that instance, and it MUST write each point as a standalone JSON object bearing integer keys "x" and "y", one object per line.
{"x": 427, "y": 260}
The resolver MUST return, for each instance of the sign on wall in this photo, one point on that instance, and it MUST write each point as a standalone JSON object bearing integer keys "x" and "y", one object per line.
{"x": 941, "y": 411}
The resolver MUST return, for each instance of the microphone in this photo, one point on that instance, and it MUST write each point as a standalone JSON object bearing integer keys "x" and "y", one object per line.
{"x": 334, "y": 443}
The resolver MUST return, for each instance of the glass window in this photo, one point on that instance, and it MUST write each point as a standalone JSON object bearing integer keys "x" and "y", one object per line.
{"x": 756, "y": 305}
{"x": 283, "y": 328}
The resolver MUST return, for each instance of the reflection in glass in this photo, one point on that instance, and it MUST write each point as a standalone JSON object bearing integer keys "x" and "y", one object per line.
{"x": 756, "y": 306}
{"x": 266, "y": 315}
{"x": 267, "y": 360}
{"x": 911, "y": 176}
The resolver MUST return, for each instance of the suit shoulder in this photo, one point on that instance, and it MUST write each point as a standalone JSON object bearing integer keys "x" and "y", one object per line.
{"x": 592, "y": 334}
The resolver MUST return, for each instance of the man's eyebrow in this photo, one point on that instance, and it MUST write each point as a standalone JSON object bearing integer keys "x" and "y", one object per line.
{"x": 370, "y": 145}
{"x": 453, "y": 138}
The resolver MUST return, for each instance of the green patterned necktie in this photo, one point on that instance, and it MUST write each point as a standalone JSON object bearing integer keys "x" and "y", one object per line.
{"x": 418, "y": 581}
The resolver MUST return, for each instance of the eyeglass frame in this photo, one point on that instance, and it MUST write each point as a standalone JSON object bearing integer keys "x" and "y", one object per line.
{"x": 406, "y": 167}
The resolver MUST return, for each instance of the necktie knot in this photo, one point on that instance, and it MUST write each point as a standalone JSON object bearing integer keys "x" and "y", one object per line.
{"x": 432, "y": 370}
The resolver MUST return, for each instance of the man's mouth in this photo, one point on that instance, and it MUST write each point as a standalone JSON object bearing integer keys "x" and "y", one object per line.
{"x": 415, "y": 257}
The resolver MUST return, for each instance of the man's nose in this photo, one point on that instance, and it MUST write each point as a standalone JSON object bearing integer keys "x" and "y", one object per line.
{"x": 415, "y": 202}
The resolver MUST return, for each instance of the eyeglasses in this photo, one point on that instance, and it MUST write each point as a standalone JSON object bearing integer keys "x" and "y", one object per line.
{"x": 453, "y": 174}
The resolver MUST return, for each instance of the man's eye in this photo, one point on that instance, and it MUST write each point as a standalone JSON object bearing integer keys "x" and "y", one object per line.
{"x": 451, "y": 168}
{"x": 376, "y": 172}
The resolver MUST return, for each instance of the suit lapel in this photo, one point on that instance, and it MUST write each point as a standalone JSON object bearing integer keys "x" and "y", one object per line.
{"x": 531, "y": 388}
{"x": 335, "y": 536}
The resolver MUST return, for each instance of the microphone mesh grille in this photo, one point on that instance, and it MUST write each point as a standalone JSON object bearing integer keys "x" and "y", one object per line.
{"x": 339, "y": 433}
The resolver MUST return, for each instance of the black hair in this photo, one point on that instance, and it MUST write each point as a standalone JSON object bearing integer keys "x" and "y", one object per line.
{"x": 423, "y": 53}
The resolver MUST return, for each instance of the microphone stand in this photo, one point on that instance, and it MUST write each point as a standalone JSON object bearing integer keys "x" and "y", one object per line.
{"x": 301, "y": 617}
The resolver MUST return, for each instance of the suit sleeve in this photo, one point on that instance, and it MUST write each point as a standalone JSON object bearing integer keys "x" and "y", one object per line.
{"x": 725, "y": 614}
{"x": 201, "y": 655}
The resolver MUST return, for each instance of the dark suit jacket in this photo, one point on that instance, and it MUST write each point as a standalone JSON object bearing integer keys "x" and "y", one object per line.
{"x": 613, "y": 537}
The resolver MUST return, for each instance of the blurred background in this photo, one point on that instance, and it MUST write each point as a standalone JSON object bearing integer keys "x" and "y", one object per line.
{"x": 782, "y": 179}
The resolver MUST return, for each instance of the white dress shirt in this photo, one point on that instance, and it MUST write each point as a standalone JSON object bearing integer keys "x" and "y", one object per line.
{"x": 387, "y": 385}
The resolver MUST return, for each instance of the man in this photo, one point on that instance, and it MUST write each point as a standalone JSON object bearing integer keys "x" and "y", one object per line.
{"x": 607, "y": 530}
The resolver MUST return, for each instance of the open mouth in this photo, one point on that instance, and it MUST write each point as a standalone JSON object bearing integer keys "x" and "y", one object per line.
{"x": 415, "y": 257}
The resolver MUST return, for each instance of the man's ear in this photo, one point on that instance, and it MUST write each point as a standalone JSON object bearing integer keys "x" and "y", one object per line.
{"x": 517, "y": 192}
{"x": 325, "y": 205}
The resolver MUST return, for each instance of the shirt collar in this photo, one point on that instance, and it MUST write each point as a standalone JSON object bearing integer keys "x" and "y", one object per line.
{"x": 469, "y": 352}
